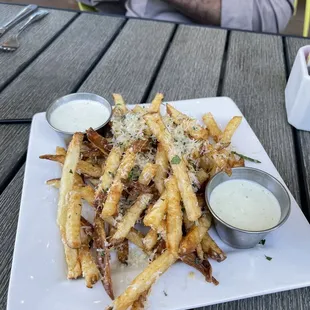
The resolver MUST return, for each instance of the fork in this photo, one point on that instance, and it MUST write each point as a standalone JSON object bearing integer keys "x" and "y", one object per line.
{"x": 12, "y": 43}
{"x": 21, "y": 15}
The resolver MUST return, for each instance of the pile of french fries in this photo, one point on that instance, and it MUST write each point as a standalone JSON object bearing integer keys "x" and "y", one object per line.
{"x": 166, "y": 194}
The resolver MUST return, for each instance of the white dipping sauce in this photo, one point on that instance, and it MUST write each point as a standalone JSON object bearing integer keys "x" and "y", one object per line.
{"x": 246, "y": 205}
{"x": 79, "y": 115}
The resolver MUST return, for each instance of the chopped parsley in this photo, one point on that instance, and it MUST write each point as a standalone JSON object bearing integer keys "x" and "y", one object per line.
{"x": 268, "y": 257}
{"x": 70, "y": 171}
{"x": 134, "y": 173}
{"x": 197, "y": 261}
{"x": 175, "y": 160}
{"x": 262, "y": 242}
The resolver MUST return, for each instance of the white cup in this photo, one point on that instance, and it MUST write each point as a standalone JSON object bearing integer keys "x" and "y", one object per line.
{"x": 297, "y": 92}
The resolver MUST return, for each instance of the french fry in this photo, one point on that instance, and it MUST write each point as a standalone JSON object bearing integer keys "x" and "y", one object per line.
{"x": 83, "y": 167}
{"x": 133, "y": 236}
{"x": 72, "y": 259}
{"x": 89, "y": 268}
{"x": 144, "y": 281}
{"x": 73, "y": 222}
{"x": 111, "y": 165}
{"x": 67, "y": 178}
{"x": 147, "y": 174}
{"x": 174, "y": 215}
{"x": 200, "y": 252}
{"x": 187, "y": 223}
{"x": 123, "y": 251}
{"x": 194, "y": 237}
{"x": 202, "y": 176}
{"x": 162, "y": 163}
{"x": 230, "y": 130}
{"x": 178, "y": 166}
{"x": 150, "y": 239}
{"x": 116, "y": 189}
{"x": 155, "y": 105}
{"x": 87, "y": 192}
{"x": 212, "y": 249}
{"x": 202, "y": 266}
{"x": 130, "y": 217}
{"x": 138, "y": 109}
{"x": 98, "y": 141}
{"x": 190, "y": 126}
{"x": 103, "y": 255}
{"x": 212, "y": 126}
{"x": 157, "y": 213}
{"x": 139, "y": 304}
{"x": 162, "y": 229}
{"x": 120, "y": 106}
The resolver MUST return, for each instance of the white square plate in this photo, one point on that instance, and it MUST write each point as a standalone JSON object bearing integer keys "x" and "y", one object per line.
{"x": 38, "y": 279}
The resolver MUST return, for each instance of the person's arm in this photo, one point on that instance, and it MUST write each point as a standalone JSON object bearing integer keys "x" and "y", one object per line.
{"x": 256, "y": 15}
{"x": 202, "y": 11}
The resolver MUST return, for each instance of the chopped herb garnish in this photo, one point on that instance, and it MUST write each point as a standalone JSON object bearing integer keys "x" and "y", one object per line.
{"x": 247, "y": 158}
{"x": 197, "y": 261}
{"x": 165, "y": 293}
{"x": 70, "y": 171}
{"x": 134, "y": 173}
{"x": 262, "y": 242}
{"x": 102, "y": 253}
{"x": 175, "y": 160}
{"x": 194, "y": 128}
{"x": 183, "y": 209}
{"x": 268, "y": 257}
{"x": 111, "y": 174}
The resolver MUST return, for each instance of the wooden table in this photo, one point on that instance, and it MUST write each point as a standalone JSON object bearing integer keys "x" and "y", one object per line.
{"x": 70, "y": 51}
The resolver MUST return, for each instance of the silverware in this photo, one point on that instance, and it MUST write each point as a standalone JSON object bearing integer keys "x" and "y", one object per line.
{"x": 12, "y": 43}
{"x": 240, "y": 238}
{"x": 21, "y": 15}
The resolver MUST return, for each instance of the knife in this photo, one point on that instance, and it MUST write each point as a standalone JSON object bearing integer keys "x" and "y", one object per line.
{"x": 20, "y": 16}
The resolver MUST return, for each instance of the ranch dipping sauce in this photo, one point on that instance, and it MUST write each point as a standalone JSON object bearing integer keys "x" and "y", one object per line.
{"x": 245, "y": 205}
{"x": 79, "y": 115}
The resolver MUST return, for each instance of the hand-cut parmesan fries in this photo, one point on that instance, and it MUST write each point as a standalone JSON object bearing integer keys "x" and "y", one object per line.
{"x": 151, "y": 169}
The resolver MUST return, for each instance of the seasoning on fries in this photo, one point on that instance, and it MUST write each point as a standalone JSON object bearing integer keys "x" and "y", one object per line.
{"x": 151, "y": 170}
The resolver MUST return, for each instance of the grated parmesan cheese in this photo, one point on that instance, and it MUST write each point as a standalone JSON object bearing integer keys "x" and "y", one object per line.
{"x": 128, "y": 128}
{"x": 182, "y": 142}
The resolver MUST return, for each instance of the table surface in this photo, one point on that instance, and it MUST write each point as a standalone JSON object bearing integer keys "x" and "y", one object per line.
{"x": 70, "y": 51}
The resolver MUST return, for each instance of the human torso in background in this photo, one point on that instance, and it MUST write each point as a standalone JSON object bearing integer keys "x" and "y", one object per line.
{"x": 257, "y": 15}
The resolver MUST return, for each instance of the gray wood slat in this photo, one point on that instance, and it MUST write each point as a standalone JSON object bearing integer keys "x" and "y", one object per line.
{"x": 60, "y": 68}
{"x": 292, "y": 47}
{"x": 295, "y": 299}
{"x": 255, "y": 79}
{"x": 32, "y": 40}
{"x": 192, "y": 66}
{"x": 129, "y": 64}
{"x": 9, "y": 202}
{"x": 14, "y": 140}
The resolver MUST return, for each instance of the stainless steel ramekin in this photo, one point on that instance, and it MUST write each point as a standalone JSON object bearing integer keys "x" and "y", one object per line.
{"x": 240, "y": 238}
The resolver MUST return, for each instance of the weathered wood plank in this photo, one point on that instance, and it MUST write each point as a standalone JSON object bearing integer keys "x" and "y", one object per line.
{"x": 295, "y": 299}
{"x": 255, "y": 79}
{"x": 32, "y": 41}
{"x": 129, "y": 64}
{"x": 303, "y": 137}
{"x": 60, "y": 68}
{"x": 14, "y": 140}
{"x": 192, "y": 66}
{"x": 9, "y": 202}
